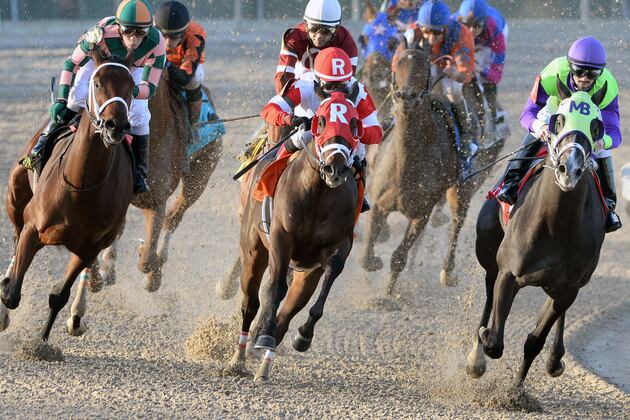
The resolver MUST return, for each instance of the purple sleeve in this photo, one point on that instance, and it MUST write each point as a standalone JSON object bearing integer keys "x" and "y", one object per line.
{"x": 536, "y": 101}
{"x": 610, "y": 116}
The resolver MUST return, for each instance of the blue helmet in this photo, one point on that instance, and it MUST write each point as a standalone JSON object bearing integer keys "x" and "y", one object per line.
{"x": 434, "y": 14}
{"x": 473, "y": 11}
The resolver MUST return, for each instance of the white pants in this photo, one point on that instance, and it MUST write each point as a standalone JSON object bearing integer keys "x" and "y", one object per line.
{"x": 139, "y": 115}
{"x": 447, "y": 86}
{"x": 197, "y": 79}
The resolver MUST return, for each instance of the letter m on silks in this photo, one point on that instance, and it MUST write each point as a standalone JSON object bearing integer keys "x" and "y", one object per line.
{"x": 337, "y": 66}
{"x": 583, "y": 107}
{"x": 337, "y": 112}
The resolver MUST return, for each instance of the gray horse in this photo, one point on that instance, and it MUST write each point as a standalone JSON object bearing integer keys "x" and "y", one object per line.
{"x": 553, "y": 238}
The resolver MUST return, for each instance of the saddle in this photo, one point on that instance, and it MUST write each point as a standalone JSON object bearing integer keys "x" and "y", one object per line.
{"x": 535, "y": 168}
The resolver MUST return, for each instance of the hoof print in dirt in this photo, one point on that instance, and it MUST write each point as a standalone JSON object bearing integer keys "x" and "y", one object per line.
{"x": 38, "y": 350}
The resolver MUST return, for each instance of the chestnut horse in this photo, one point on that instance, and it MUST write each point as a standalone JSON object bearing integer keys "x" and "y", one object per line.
{"x": 552, "y": 240}
{"x": 311, "y": 230}
{"x": 82, "y": 196}
{"x": 170, "y": 132}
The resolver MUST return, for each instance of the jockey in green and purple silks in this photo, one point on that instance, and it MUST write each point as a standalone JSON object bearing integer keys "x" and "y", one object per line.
{"x": 131, "y": 29}
{"x": 583, "y": 69}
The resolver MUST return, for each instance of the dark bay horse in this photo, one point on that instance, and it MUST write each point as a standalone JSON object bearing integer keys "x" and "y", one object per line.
{"x": 553, "y": 238}
{"x": 311, "y": 230}
{"x": 170, "y": 132}
{"x": 419, "y": 164}
{"x": 82, "y": 196}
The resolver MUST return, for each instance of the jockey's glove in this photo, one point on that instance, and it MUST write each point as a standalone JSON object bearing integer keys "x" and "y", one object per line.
{"x": 298, "y": 121}
{"x": 58, "y": 111}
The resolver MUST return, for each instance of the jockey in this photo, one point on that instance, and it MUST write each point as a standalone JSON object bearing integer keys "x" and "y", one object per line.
{"x": 298, "y": 104}
{"x": 448, "y": 37}
{"x": 321, "y": 29}
{"x": 490, "y": 32}
{"x": 583, "y": 69}
{"x": 185, "y": 43}
{"x": 406, "y": 12}
{"x": 379, "y": 36}
{"x": 131, "y": 29}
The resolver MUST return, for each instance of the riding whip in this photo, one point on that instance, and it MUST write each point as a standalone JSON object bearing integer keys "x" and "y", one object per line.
{"x": 52, "y": 89}
{"x": 253, "y": 163}
{"x": 498, "y": 160}
{"x": 220, "y": 121}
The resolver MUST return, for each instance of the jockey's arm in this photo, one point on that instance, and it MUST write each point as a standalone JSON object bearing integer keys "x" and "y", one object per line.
{"x": 536, "y": 101}
{"x": 286, "y": 61}
{"x": 610, "y": 116}
{"x": 494, "y": 73}
{"x": 71, "y": 66}
{"x": 279, "y": 109}
{"x": 372, "y": 131}
{"x": 153, "y": 67}
{"x": 183, "y": 74}
{"x": 464, "y": 56}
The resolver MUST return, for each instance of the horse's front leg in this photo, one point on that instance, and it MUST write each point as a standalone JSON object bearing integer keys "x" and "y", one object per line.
{"x": 150, "y": 263}
{"x": 476, "y": 361}
{"x": 400, "y": 255}
{"x": 553, "y": 310}
{"x": 458, "y": 201}
{"x": 27, "y": 246}
{"x": 334, "y": 267}
{"x": 555, "y": 365}
{"x": 279, "y": 257}
{"x": 60, "y": 293}
{"x": 505, "y": 289}
{"x": 376, "y": 219}
{"x": 5, "y": 319}
{"x": 75, "y": 324}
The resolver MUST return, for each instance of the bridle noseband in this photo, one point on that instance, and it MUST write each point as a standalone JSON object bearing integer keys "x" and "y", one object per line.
{"x": 556, "y": 152}
{"x": 95, "y": 109}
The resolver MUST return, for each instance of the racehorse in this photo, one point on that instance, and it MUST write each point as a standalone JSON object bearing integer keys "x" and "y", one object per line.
{"x": 170, "y": 132}
{"x": 82, "y": 196}
{"x": 417, "y": 166}
{"x": 311, "y": 230}
{"x": 552, "y": 240}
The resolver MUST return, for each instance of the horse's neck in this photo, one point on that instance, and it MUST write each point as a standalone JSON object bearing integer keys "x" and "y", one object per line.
{"x": 415, "y": 128}
{"x": 309, "y": 180}
{"x": 88, "y": 159}
{"x": 559, "y": 210}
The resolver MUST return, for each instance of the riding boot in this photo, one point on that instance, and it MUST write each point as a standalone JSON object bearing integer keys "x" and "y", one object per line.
{"x": 516, "y": 170}
{"x": 468, "y": 145}
{"x": 606, "y": 174}
{"x": 140, "y": 148}
{"x": 193, "y": 103}
{"x": 359, "y": 166}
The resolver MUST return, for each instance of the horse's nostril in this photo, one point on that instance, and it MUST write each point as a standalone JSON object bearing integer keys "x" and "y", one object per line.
{"x": 562, "y": 168}
{"x": 110, "y": 124}
{"x": 329, "y": 170}
{"x": 578, "y": 173}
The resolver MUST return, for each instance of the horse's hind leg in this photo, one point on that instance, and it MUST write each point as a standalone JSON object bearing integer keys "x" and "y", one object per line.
{"x": 458, "y": 200}
{"x": 555, "y": 365}
{"x": 150, "y": 263}
{"x": 476, "y": 361}
{"x": 552, "y": 311}
{"x": 79, "y": 306}
{"x": 376, "y": 219}
{"x": 60, "y": 293}
{"x": 400, "y": 255}
{"x": 300, "y": 292}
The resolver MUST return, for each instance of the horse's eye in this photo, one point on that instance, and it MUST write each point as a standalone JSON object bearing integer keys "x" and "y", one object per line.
{"x": 97, "y": 85}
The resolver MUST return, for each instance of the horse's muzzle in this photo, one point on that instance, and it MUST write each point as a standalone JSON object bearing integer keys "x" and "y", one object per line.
{"x": 333, "y": 176}
{"x": 114, "y": 133}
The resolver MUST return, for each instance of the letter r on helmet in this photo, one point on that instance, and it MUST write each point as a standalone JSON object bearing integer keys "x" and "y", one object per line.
{"x": 337, "y": 112}
{"x": 337, "y": 66}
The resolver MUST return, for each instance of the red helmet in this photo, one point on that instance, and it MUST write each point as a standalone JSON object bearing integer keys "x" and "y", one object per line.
{"x": 333, "y": 65}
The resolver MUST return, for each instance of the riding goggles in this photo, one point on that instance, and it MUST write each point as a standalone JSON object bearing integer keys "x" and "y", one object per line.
{"x": 322, "y": 29}
{"x": 436, "y": 32}
{"x": 591, "y": 73}
{"x": 134, "y": 30}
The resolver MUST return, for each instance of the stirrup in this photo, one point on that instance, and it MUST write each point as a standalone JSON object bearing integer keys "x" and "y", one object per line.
{"x": 613, "y": 222}
{"x": 29, "y": 161}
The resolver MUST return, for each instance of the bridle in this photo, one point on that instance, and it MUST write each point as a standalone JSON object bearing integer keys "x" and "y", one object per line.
{"x": 94, "y": 109}
{"x": 413, "y": 96}
{"x": 556, "y": 151}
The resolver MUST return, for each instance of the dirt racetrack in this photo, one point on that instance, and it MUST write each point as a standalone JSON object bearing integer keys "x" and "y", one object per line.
{"x": 365, "y": 362}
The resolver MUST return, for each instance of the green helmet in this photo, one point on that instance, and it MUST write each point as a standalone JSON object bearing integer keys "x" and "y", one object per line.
{"x": 135, "y": 13}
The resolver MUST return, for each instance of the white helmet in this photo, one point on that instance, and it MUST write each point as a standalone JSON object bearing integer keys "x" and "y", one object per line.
{"x": 323, "y": 12}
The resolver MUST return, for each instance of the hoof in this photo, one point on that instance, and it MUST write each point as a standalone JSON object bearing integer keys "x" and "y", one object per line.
{"x": 5, "y": 319}
{"x": 555, "y": 367}
{"x": 96, "y": 282}
{"x": 108, "y": 276}
{"x": 76, "y": 328}
{"x": 261, "y": 380}
{"x": 266, "y": 342}
{"x": 11, "y": 302}
{"x": 491, "y": 351}
{"x": 475, "y": 365}
{"x": 372, "y": 264}
{"x": 152, "y": 281}
{"x": 446, "y": 280}
{"x": 226, "y": 289}
{"x": 301, "y": 343}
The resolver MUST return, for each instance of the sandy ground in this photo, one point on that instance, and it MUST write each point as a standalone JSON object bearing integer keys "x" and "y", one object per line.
{"x": 364, "y": 362}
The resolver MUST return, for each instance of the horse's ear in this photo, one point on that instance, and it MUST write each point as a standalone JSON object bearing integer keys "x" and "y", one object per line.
{"x": 563, "y": 90}
{"x": 391, "y": 43}
{"x": 599, "y": 96}
{"x": 129, "y": 59}
{"x": 597, "y": 129}
{"x": 556, "y": 123}
{"x": 97, "y": 56}
{"x": 403, "y": 45}
{"x": 321, "y": 124}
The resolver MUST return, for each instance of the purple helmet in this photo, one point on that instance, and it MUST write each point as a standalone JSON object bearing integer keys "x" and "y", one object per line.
{"x": 587, "y": 52}
{"x": 434, "y": 14}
